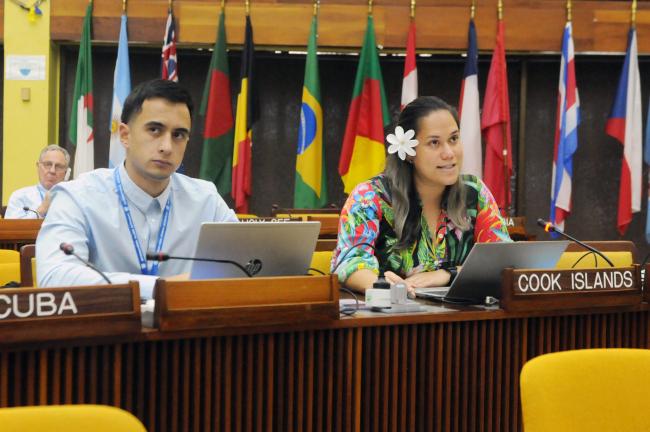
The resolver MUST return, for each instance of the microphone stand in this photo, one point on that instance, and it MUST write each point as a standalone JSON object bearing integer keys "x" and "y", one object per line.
{"x": 164, "y": 257}
{"x": 549, "y": 227}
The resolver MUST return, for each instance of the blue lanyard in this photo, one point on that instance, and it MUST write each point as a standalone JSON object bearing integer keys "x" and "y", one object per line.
{"x": 134, "y": 235}
{"x": 40, "y": 192}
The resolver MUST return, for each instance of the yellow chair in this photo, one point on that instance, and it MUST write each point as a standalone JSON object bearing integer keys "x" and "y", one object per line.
{"x": 568, "y": 259}
{"x": 9, "y": 266}
{"x": 620, "y": 252}
{"x": 68, "y": 418}
{"x": 321, "y": 261}
{"x": 587, "y": 390}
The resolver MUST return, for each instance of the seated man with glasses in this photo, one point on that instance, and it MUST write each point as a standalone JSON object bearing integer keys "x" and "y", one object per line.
{"x": 32, "y": 202}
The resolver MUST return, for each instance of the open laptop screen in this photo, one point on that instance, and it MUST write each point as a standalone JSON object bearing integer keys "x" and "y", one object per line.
{"x": 282, "y": 248}
{"x": 480, "y": 275}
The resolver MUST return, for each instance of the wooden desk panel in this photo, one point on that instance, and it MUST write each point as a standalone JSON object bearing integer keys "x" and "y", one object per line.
{"x": 452, "y": 371}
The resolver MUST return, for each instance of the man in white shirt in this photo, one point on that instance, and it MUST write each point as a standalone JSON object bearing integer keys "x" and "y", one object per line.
{"x": 113, "y": 217}
{"x": 32, "y": 202}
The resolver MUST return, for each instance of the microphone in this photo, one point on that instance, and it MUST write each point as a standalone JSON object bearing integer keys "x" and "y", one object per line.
{"x": 549, "y": 227}
{"x": 27, "y": 209}
{"x": 252, "y": 267}
{"x": 68, "y": 249}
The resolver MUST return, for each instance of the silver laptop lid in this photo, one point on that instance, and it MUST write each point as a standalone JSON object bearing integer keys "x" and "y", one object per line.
{"x": 283, "y": 248}
{"x": 480, "y": 275}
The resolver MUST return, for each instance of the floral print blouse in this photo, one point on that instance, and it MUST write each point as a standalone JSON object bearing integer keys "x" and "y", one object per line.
{"x": 368, "y": 217}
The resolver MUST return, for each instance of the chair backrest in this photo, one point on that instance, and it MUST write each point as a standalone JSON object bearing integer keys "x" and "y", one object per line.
{"x": 621, "y": 252}
{"x": 69, "y": 418}
{"x": 329, "y": 225}
{"x": 321, "y": 260}
{"x": 9, "y": 266}
{"x": 293, "y": 212}
{"x": 587, "y": 390}
{"x": 27, "y": 254}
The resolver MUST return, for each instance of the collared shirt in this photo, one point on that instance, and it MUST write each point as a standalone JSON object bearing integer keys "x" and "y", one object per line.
{"x": 87, "y": 214}
{"x": 30, "y": 197}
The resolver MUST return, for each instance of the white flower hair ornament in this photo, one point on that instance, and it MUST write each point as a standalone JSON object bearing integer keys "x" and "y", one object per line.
{"x": 402, "y": 142}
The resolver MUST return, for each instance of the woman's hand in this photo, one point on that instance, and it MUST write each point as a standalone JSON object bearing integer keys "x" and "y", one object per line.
{"x": 393, "y": 278}
{"x": 429, "y": 279}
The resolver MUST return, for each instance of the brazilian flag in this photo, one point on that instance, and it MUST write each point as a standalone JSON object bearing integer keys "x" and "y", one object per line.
{"x": 311, "y": 183}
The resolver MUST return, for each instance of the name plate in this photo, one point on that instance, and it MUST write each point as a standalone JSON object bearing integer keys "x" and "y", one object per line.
{"x": 527, "y": 290}
{"x": 245, "y": 302}
{"x": 29, "y": 314}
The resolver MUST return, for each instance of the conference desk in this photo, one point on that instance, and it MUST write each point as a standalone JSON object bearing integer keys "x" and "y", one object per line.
{"x": 453, "y": 369}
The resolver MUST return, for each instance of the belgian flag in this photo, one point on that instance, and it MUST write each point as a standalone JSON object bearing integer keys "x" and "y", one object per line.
{"x": 244, "y": 119}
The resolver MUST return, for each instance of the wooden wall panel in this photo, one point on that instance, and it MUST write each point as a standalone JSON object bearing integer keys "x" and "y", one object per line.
{"x": 443, "y": 376}
{"x": 442, "y": 25}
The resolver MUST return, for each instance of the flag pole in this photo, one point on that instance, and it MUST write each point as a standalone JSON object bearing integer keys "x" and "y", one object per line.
{"x": 412, "y": 10}
{"x": 316, "y": 6}
{"x": 223, "y": 5}
{"x": 248, "y": 8}
{"x": 633, "y": 18}
{"x": 472, "y": 9}
{"x": 369, "y": 7}
{"x": 568, "y": 10}
{"x": 124, "y": 6}
{"x": 506, "y": 173}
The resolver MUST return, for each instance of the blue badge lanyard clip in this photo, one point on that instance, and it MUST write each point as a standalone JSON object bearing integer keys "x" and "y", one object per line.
{"x": 142, "y": 260}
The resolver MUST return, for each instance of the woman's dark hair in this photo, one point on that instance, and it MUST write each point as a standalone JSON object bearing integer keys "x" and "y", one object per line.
{"x": 157, "y": 88}
{"x": 405, "y": 201}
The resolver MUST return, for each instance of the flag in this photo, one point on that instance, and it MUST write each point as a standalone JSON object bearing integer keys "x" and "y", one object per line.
{"x": 469, "y": 109}
{"x": 495, "y": 123}
{"x": 311, "y": 182}
{"x": 245, "y": 117}
{"x": 121, "y": 89}
{"x": 646, "y": 158}
{"x": 566, "y": 132}
{"x": 624, "y": 124}
{"x": 169, "y": 61}
{"x": 218, "y": 132}
{"x": 81, "y": 116}
{"x": 410, "y": 82}
{"x": 363, "y": 154}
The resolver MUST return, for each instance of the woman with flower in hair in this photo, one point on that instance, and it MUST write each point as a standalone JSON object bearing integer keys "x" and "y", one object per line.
{"x": 420, "y": 215}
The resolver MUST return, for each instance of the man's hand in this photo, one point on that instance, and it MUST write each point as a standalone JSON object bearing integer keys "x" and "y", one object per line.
{"x": 45, "y": 205}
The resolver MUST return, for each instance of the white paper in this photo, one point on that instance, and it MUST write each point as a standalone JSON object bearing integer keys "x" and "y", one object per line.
{"x": 25, "y": 68}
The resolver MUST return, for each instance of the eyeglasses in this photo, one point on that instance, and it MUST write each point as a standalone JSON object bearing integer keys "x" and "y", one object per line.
{"x": 57, "y": 167}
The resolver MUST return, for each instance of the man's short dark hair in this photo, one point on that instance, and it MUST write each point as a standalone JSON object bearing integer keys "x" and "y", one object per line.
{"x": 157, "y": 88}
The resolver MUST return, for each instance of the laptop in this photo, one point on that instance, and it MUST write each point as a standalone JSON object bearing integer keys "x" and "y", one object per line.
{"x": 263, "y": 248}
{"x": 480, "y": 275}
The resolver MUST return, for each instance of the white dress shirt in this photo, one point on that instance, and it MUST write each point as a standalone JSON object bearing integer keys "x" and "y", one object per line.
{"x": 30, "y": 197}
{"x": 87, "y": 214}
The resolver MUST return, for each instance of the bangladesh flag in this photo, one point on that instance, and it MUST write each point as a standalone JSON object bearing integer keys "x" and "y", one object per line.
{"x": 81, "y": 116}
{"x": 311, "y": 182}
{"x": 363, "y": 154}
{"x": 218, "y": 127}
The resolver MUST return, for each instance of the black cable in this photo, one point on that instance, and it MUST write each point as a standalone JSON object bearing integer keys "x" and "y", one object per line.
{"x": 316, "y": 270}
{"x": 345, "y": 255}
{"x": 346, "y": 310}
{"x": 585, "y": 255}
